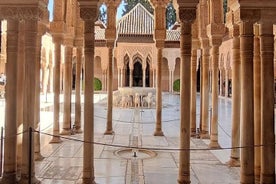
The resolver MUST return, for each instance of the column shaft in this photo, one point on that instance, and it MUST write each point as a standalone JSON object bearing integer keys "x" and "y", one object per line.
{"x": 78, "y": 92}
{"x": 205, "y": 94}
{"x": 193, "y": 93}
{"x": 257, "y": 106}
{"x": 88, "y": 148}
{"x": 29, "y": 100}
{"x": 56, "y": 128}
{"x": 185, "y": 95}
{"x": 158, "y": 126}
{"x": 247, "y": 121}
{"x": 109, "y": 128}
{"x": 236, "y": 103}
{"x": 9, "y": 173}
{"x": 37, "y": 155}
{"x": 267, "y": 104}
{"x": 214, "y": 122}
{"x": 66, "y": 128}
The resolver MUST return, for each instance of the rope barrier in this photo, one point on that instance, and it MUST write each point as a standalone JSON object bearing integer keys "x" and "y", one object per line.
{"x": 153, "y": 148}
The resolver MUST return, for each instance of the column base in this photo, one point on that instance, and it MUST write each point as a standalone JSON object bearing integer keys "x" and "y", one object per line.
{"x": 78, "y": 131}
{"x": 234, "y": 162}
{"x": 193, "y": 133}
{"x": 109, "y": 132}
{"x": 88, "y": 181}
{"x": 183, "y": 182}
{"x": 9, "y": 178}
{"x": 65, "y": 131}
{"x": 38, "y": 157}
{"x": 204, "y": 135}
{"x": 25, "y": 180}
{"x": 158, "y": 133}
{"x": 55, "y": 140}
{"x": 214, "y": 144}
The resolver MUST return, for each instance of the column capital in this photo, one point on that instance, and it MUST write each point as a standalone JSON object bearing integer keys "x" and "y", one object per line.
{"x": 22, "y": 13}
{"x": 247, "y": 15}
{"x": 88, "y": 13}
{"x": 187, "y": 14}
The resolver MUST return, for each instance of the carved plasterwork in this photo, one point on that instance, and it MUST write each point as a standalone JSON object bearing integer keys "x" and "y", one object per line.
{"x": 21, "y": 13}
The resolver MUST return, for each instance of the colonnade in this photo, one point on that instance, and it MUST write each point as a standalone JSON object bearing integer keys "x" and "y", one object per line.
{"x": 257, "y": 164}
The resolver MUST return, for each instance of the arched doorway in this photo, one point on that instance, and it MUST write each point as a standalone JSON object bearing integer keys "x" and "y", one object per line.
{"x": 137, "y": 74}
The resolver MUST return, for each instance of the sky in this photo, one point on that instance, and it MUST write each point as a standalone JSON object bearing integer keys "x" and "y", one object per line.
{"x": 50, "y": 8}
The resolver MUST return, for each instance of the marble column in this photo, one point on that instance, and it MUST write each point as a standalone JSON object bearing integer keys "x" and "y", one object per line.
{"x": 221, "y": 82}
{"x": 78, "y": 92}
{"x": 109, "y": 128}
{"x": 158, "y": 126}
{"x": 67, "y": 83}
{"x": 193, "y": 92}
{"x": 226, "y": 91}
{"x": 57, "y": 61}
{"x": 88, "y": 13}
{"x": 257, "y": 103}
{"x": 205, "y": 92}
{"x": 45, "y": 75}
{"x": 51, "y": 79}
{"x": 37, "y": 152}
{"x": 236, "y": 101}
{"x": 247, "y": 119}
{"x": 29, "y": 110}
{"x": 214, "y": 121}
{"x": 267, "y": 102}
{"x": 144, "y": 77}
{"x": 10, "y": 142}
{"x": 20, "y": 89}
{"x": 185, "y": 93}
{"x": 130, "y": 77}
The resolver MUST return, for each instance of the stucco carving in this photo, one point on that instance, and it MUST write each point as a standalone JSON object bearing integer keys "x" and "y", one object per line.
{"x": 21, "y": 13}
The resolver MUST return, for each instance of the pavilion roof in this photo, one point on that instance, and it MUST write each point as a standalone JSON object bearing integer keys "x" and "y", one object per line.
{"x": 137, "y": 22}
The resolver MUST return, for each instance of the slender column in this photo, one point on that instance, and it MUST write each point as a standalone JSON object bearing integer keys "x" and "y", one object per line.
{"x": 185, "y": 93}
{"x": 158, "y": 127}
{"x": 193, "y": 93}
{"x": 37, "y": 153}
{"x": 56, "y": 128}
{"x": 88, "y": 13}
{"x": 221, "y": 81}
{"x": 9, "y": 173}
{"x": 153, "y": 78}
{"x": 214, "y": 124}
{"x": 78, "y": 92}
{"x": 51, "y": 81}
{"x": 257, "y": 103}
{"x": 119, "y": 77}
{"x": 66, "y": 128}
{"x": 172, "y": 81}
{"x": 122, "y": 77}
{"x": 44, "y": 77}
{"x": 20, "y": 88}
{"x": 130, "y": 77}
{"x": 29, "y": 101}
{"x": 205, "y": 93}
{"x": 247, "y": 120}
{"x": 144, "y": 77}
{"x": 236, "y": 101}
{"x": 267, "y": 103}
{"x": 226, "y": 82}
{"x": 109, "y": 128}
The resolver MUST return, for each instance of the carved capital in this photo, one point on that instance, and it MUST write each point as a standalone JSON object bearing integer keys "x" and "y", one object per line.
{"x": 247, "y": 15}
{"x": 89, "y": 13}
{"x": 187, "y": 15}
{"x": 215, "y": 30}
{"x": 22, "y": 13}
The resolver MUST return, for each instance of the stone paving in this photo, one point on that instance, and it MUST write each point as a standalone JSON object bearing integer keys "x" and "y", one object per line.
{"x": 62, "y": 162}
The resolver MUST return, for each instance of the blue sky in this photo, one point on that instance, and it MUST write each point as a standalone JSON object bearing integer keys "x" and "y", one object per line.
{"x": 50, "y": 8}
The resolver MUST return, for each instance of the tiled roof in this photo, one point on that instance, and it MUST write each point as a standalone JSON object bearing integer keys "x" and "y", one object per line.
{"x": 173, "y": 35}
{"x": 136, "y": 22}
{"x": 99, "y": 34}
{"x": 139, "y": 21}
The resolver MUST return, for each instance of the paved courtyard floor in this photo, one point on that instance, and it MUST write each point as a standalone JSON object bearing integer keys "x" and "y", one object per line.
{"x": 115, "y": 164}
